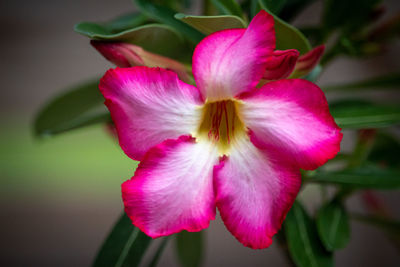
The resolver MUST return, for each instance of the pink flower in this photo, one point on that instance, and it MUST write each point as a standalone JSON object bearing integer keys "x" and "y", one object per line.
{"x": 224, "y": 144}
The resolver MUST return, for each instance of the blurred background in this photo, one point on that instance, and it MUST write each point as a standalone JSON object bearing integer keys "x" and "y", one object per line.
{"x": 59, "y": 197}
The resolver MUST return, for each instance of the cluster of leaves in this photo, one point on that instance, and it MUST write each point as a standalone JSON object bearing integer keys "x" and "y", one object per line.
{"x": 165, "y": 29}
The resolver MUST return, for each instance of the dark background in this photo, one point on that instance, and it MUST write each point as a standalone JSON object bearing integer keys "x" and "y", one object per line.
{"x": 59, "y": 197}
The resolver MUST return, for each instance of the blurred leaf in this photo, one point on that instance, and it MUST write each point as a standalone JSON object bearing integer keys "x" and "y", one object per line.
{"x": 160, "y": 250}
{"x": 367, "y": 176}
{"x": 362, "y": 114}
{"x": 79, "y": 107}
{"x": 386, "y": 31}
{"x": 148, "y": 36}
{"x": 254, "y": 8}
{"x": 124, "y": 246}
{"x": 333, "y": 226}
{"x": 293, "y": 7}
{"x": 190, "y": 248}
{"x": 275, "y": 6}
{"x": 165, "y": 15}
{"x": 381, "y": 222}
{"x": 386, "y": 150}
{"x": 210, "y": 24}
{"x": 114, "y": 27}
{"x": 387, "y": 81}
{"x": 287, "y": 36}
{"x": 349, "y": 14}
{"x": 390, "y": 227}
{"x": 301, "y": 234}
{"x": 228, "y": 7}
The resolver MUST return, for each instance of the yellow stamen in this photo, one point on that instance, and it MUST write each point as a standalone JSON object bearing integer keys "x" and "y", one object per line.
{"x": 221, "y": 124}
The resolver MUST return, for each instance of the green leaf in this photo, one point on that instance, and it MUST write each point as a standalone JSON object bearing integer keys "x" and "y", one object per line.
{"x": 359, "y": 114}
{"x": 287, "y": 36}
{"x": 148, "y": 36}
{"x": 159, "y": 252}
{"x": 124, "y": 246}
{"x": 189, "y": 248}
{"x": 165, "y": 15}
{"x": 228, "y": 7}
{"x": 333, "y": 226}
{"x": 81, "y": 106}
{"x": 391, "y": 81}
{"x": 210, "y": 24}
{"x": 114, "y": 27}
{"x": 305, "y": 248}
{"x": 367, "y": 176}
{"x": 275, "y": 6}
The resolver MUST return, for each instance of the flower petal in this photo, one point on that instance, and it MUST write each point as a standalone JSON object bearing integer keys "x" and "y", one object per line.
{"x": 149, "y": 105}
{"x": 292, "y": 116}
{"x": 308, "y": 61}
{"x": 232, "y": 61}
{"x": 128, "y": 55}
{"x": 281, "y": 64}
{"x": 254, "y": 191}
{"x": 172, "y": 189}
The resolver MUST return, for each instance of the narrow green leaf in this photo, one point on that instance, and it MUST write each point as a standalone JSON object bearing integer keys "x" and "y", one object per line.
{"x": 275, "y": 6}
{"x": 112, "y": 28}
{"x": 391, "y": 81}
{"x": 367, "y": 176}
{"x": 301, "y": 234}
{"x": 124, "y": 246}
{"x": 287, "y": 36}
{"x": 362, "y": 114}
{"x": 159, "y": 252}
{"x": 165, "y": 15}
{"x": 148, "y": 36}
{"x": 210, "y": 24}
{"x": 189, "y": 248}
{"x": 81, "y": 106}
{"x": 228, "y": 7}
{"x": 333, "y": 226}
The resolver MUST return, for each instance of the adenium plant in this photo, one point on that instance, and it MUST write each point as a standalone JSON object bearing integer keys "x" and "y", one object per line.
{"x": 223, "y": 114}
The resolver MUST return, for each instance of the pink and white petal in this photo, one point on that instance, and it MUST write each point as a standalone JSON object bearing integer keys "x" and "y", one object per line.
{"x": 128, "y": 55}
{"x": 172, "y": 189}
{"x": 308, "y": 61}
{"x": 292, "y": 116}
{"x": 149, "y": 105}
{"x": 254, "y": 192}
{"x": 281, "y": 64}
{"x": 229, "y": 62}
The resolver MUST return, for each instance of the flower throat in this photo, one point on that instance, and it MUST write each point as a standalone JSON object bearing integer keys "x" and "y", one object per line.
{"x": 221, "y": 124}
